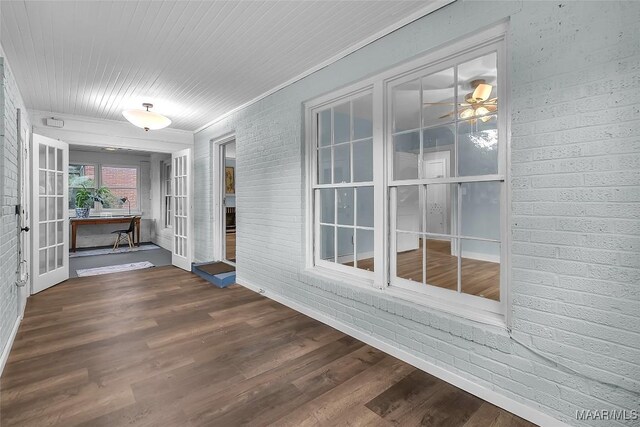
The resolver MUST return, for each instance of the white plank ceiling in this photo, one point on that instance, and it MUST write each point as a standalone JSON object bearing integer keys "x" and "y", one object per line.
{"x": 194, "y": 60}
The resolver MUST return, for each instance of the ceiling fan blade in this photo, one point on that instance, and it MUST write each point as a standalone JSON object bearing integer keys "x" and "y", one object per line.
{"x": 482, "y": 92}
{"x": 446, "y": 115}
{"x": 492, "y": 100}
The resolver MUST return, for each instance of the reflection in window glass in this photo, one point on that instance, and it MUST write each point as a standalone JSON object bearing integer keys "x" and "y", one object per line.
{"x": 363, "y": 117}
{"x": 326, "y": 240}
{"x": 406, "y": 106}
{"x": 438, "y": 98}
{"x": 480, "y": 209}
{"x": 365, "y": 207}
{"x": 480, "y": 272}
{"x": 342, "y": 163}
{"x": 406, "y": 155}
{"x": 478, "y": 147}
{"x": 363, "y": 161}
{"x": 345, "y": 206}
{"x": 342, "y": 123}
{"x": 345, "y": 245}
{"x": 451, "y": 237}
{"x": 324, "y": 128}
{"x": 324, "y": 166}
{"x": 364, "y": 245}
{"x": 327, "y": 205}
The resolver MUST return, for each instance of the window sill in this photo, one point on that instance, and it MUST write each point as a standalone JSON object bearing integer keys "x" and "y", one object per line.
{"x": 338, "y": 276}
{"x": 451, "y": 308}
{"x": 411, "y": 297}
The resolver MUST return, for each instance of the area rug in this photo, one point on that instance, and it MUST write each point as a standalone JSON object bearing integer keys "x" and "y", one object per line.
{"x": 109, "y": 251}
{"x": 113, "y": 269}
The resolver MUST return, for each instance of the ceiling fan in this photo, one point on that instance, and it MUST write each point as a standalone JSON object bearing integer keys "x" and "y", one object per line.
{"x": 478, "y": 105}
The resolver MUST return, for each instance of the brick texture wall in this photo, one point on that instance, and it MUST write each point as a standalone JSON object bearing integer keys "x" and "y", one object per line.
{"x": 10, "y": 100}
{"x": 123, "y": 182}
{"x": 575, "y": 276}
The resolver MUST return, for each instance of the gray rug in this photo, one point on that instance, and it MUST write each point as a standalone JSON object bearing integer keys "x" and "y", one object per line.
{"x": 113, "y": 269}
{"x": 109, "y": 251}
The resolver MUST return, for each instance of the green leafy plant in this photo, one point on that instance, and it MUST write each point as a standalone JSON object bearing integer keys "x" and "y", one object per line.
{"x": 86, "y": 197}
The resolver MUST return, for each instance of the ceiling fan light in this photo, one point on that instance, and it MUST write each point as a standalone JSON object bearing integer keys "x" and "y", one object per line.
{"x": 145, "y": 119}
{"x": 465, "y": 114}
{"x": 481, "y": 111}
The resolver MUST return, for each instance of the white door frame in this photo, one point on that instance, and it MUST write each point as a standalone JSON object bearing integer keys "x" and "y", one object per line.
{"x": 24, "y": 159}
{"x": 443, "y": 157}
{"x": 218, "y": 206}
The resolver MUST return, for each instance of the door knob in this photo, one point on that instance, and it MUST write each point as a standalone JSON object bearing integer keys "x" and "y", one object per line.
{"x": 25, "y": 229}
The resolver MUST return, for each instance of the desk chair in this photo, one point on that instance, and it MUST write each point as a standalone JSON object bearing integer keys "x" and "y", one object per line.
{"x": 128, "y": 233}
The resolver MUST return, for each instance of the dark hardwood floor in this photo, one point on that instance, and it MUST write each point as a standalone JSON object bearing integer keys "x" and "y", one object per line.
{"x": 230, "y": 246}
{"x": 162, "y": 347}
{"x": 481, "y": 278}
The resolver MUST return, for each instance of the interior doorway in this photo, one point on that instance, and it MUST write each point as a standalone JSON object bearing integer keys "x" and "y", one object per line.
{"x": 228, "y": 203}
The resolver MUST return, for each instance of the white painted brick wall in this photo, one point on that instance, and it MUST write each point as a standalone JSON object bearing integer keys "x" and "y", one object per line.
{"x": 10, "y": 100}
{"x": 575, "y": 85}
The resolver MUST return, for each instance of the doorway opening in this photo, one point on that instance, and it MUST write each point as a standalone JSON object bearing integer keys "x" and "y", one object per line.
{"x": 222, "y": 270}
{"x": 124, "y": 227}
{"x": 228, "y": 203}
{"x": 100, "y": 210}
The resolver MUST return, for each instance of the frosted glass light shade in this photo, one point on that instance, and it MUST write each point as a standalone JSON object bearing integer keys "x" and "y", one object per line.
{"x": 145, "y": 119}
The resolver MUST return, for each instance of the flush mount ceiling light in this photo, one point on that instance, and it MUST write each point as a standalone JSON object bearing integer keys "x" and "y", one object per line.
{"x": 146, "y": 119}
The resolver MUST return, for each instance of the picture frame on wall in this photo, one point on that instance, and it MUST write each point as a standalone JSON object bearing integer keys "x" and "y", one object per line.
{"x": 229, "y": 180}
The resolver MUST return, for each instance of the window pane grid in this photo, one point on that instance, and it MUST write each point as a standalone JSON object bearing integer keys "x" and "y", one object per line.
{"x": 51, "y": 210}
{"x": 343, "y": 141}
{"x": 166, "y": 202}
{"x": 447, "y": 259}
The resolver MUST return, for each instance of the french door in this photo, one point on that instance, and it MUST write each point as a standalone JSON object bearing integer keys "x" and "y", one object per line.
{"x": 182, "y": 253}
{"x": 49, "y": 219}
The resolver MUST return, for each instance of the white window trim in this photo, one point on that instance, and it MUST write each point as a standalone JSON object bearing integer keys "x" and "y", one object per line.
{"x": 97, "y": 208}
{"x": 459, "y": 298}
{"x": 349, "y": 96}
{"x": 96, "y": 168}
{"x": 470, "y": 307}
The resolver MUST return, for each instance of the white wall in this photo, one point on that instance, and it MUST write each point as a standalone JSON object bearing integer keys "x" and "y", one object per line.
{"x": 12, "y": 298}
{"x": 575, "y": 192}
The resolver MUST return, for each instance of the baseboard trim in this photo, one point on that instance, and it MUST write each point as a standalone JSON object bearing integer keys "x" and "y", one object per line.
{"x": 7, "y": 348}
{"x": 527, "y": 412}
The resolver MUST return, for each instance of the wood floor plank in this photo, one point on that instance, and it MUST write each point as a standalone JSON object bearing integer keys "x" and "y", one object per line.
{"x": 448, "y": 407}
{"x": 405, "y": 395}
{"x": 352, "y": 393}
{"x": 163, "y": 347}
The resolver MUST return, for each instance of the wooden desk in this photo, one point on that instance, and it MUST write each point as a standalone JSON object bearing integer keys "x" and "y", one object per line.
{"x": 75, "y": 222}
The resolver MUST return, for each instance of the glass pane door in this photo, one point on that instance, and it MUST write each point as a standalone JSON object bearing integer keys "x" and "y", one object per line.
{"x": 50, "y": 231}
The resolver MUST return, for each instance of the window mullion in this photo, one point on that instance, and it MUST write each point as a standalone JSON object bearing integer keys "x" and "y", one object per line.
{"x": 380, "y": 203}
{"x": 459, "y": 232}
{"x": 455, "y": 121}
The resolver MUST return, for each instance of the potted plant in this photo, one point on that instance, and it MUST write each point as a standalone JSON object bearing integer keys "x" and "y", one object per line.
{"x": 86, "y": 197}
